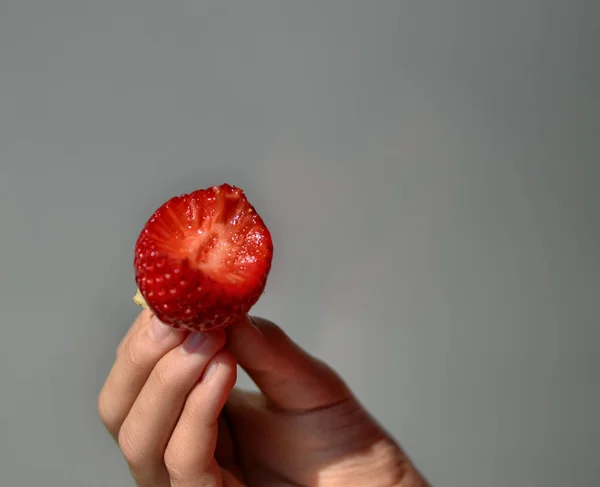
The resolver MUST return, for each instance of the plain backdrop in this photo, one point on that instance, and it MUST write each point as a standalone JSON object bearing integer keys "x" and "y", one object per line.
{"x": 429, "y": 170}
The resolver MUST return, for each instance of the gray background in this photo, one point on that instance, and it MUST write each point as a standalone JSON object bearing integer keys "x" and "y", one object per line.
{"x": 429, "y": 170}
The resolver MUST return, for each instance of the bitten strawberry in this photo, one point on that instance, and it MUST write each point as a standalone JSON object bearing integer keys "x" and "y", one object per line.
{"x": 202, "y": 259}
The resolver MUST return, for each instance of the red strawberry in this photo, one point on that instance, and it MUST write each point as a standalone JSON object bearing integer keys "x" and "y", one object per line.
{"x": 202, "y": 260}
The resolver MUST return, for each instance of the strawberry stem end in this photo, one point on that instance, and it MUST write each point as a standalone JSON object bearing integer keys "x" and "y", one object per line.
{"x": 139, "y": 300}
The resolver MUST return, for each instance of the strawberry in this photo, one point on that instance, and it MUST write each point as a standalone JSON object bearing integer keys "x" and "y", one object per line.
{"x": 202, "y": 259}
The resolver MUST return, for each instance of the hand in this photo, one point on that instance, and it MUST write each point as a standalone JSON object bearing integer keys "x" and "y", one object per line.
{"x": 169, "y": 402}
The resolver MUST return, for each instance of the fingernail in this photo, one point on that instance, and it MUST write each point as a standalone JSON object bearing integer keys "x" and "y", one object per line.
{"x": 210, "y": 370}
{"x": 159, "y": 330}
{"x": 193, "y": 341}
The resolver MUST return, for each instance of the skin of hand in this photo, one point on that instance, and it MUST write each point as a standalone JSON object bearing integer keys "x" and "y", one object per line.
{"x": 170, "y": 403}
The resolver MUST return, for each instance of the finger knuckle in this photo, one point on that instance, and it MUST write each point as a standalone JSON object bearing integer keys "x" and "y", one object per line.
{"x": 162, "y": 375}
{"x": 129, "y": 448}
{"x": 132, "y": 354}
{"x": 175, "y": 464}
{"x": 195, "y": 407}
{"x": 106, "y": 411}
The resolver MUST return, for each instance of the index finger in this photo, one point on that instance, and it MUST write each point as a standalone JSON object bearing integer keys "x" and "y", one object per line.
{"x": 146, "y": 343}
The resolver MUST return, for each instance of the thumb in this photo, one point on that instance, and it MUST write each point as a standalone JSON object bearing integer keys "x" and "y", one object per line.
{"x": 288, "y": 376}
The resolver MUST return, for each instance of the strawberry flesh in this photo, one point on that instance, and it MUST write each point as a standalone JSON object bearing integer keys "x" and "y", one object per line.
{"x": 203, "y": 258}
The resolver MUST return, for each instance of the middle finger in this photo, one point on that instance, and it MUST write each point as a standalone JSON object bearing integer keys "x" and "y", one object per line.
{"x": 145, "y": 344}
{"x": 150, "y": 422}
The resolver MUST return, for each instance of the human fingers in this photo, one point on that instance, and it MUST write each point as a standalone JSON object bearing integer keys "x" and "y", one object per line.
{"x": 143, "y": 346}
{"x": 287, "y": 375}
{"x": 145, "y": 433}
{"x": 142, "y": 319}
{"x": 190, "y": 453}
{"x": 339, "y": 438}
